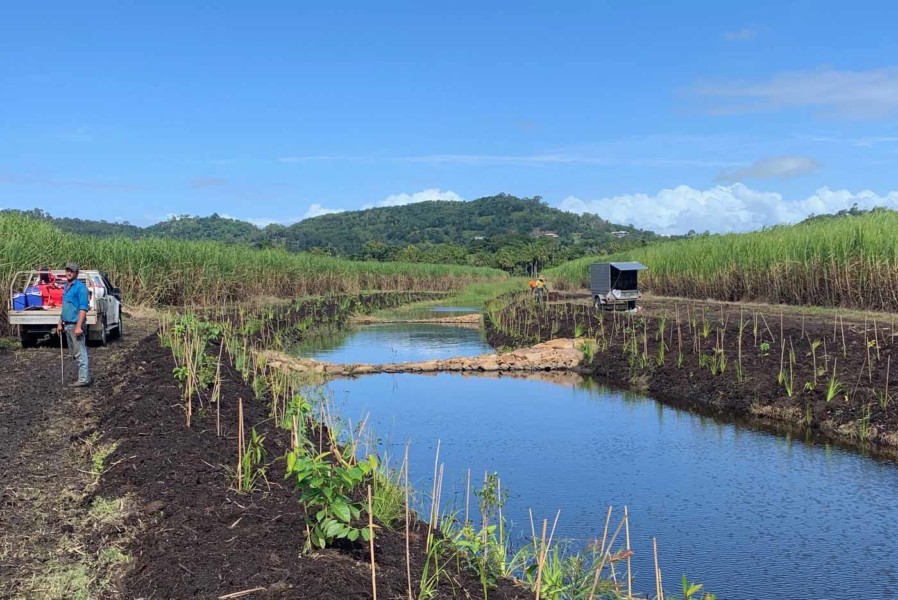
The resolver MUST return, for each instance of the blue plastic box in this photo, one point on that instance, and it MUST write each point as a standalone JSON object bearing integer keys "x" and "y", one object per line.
{"x": 33, "y": 297}
{"x": 19, "y": 302}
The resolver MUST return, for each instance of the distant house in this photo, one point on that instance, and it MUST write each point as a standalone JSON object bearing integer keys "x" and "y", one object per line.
{"x": 477, "y": 237}
{"x": 548, "y": 234}
{"x": 620, "y": 234}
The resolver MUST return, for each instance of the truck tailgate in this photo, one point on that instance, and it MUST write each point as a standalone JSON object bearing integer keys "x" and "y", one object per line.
{"x": 43, "y": 317}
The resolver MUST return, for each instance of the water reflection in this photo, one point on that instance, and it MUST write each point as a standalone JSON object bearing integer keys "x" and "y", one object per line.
{"x": 399, "y": 342}
{"x": 748, "y": 513}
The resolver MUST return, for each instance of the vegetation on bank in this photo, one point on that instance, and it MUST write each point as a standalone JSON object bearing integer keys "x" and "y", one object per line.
{"x": 850, "y": 261}
{"x": 171, "y": 272}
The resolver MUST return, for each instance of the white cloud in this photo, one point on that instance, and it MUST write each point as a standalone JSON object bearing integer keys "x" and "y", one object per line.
{"x": 316, "y": 210}
{"x": 769, "y": 168}
{"x": 741, "y": 35}
{"x": 422, "y": 196}
{"x": 722, "y": 209}
{"x": 859, "y": 94}
{"x": 260, "y": 222}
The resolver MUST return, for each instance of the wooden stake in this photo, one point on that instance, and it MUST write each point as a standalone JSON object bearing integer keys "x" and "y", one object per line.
{"x": 408, "y": 553}
{"x": 542, "y": 558}
{"x": 371, "y": 543}
{"x": 467, "y": 498}
{"x": 659, "y": 589}
{"x": 629, "y": 571}
{"x": 239, "y": 442}
{"x": 603, "y": 554}
{"x": 844, "y": 346}
{"x": 61, "y": 359}
{"x": 433, "y": 495}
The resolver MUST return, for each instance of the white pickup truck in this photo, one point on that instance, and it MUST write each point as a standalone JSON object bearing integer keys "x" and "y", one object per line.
{"x": 35, "y": 305}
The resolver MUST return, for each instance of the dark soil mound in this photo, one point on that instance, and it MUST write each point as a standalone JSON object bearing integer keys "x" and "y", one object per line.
{"x": 200, "y": 539}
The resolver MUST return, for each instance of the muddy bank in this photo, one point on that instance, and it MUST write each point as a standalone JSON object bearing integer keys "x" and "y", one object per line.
{"x": 554, "y": 355}
{"x": 472, "y": 320}
{"x": 160, "y": 517}
{"x": 201, "y": 538}
{"x": 826, "y": 375}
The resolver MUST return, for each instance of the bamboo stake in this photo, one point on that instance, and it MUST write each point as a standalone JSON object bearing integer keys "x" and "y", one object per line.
{"x": 542, "y": 558}
{"x": 61, "y": 361}
{"x": 468, "y": 498}
{"x": 408, "y": 552}
{"x": 603, "y": 554}
{"x": 239, "y": 442}
{"x": 608, "y": 555}
{"x": 876, "y": 338}
{"x": 772, "y": 337}
{"x": 659, "y": 589}
{"x": 629, "y": 571}
{"x": 433, "y": 494}
{"x": 844, "y": 346}
{"x": 371, "y": 543}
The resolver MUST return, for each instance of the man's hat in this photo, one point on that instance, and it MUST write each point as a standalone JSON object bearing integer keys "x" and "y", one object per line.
{"x": 71, "y": 266}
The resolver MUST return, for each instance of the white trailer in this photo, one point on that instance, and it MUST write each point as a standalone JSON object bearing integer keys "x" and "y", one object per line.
{"x": 103, "y": 321}
{"x": 615, "y": 283}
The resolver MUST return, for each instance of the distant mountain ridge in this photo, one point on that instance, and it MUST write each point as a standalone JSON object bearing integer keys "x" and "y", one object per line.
{"x": 501, "y": 218}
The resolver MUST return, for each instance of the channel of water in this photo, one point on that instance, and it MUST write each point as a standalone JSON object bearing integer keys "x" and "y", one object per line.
{"x": 748, "y": 513}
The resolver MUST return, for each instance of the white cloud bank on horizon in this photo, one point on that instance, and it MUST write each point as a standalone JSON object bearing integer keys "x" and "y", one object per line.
{"x": 722, "y": 209}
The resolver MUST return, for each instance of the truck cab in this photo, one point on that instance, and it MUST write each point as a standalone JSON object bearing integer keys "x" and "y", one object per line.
{"x": 35, "y": 304}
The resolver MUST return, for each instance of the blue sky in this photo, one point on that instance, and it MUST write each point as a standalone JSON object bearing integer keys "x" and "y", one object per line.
{"x": 669, "y": 116}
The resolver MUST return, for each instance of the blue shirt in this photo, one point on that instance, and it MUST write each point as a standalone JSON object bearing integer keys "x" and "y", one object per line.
{"x": 74, "y": 299}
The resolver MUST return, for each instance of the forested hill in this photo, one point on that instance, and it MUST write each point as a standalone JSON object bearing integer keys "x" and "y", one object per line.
{"x": 447, "y": 222}
{"x": 497, "y": 231}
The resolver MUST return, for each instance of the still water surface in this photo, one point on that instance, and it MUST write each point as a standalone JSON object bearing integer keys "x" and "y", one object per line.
{"x": 749, "y": 514}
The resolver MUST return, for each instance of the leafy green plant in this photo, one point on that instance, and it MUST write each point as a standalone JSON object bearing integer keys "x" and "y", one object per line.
{"x": 834, "y": 387}
{"x": 691, "y": 589}
{"x": 765, "y": 348}
{"x": 250, "y": 470}
{"x": 588, "y": 348}
{"x": 327, "y": 495}
{"x": 814, "y": 345}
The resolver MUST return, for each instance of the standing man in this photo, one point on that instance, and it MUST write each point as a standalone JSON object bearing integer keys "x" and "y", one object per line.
{"x": 74, "y": 313}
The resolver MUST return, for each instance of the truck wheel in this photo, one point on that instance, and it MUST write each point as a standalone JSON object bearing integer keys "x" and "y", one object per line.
{"x": 103, "y": 336}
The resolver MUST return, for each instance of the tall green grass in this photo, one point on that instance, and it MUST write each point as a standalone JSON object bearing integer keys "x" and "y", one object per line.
{"x": 847, "y": 262}
{"x": 170, "y": 272}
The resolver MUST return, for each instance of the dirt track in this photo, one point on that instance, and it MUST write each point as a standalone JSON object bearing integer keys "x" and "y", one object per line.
{"x": 55, "y": 537}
